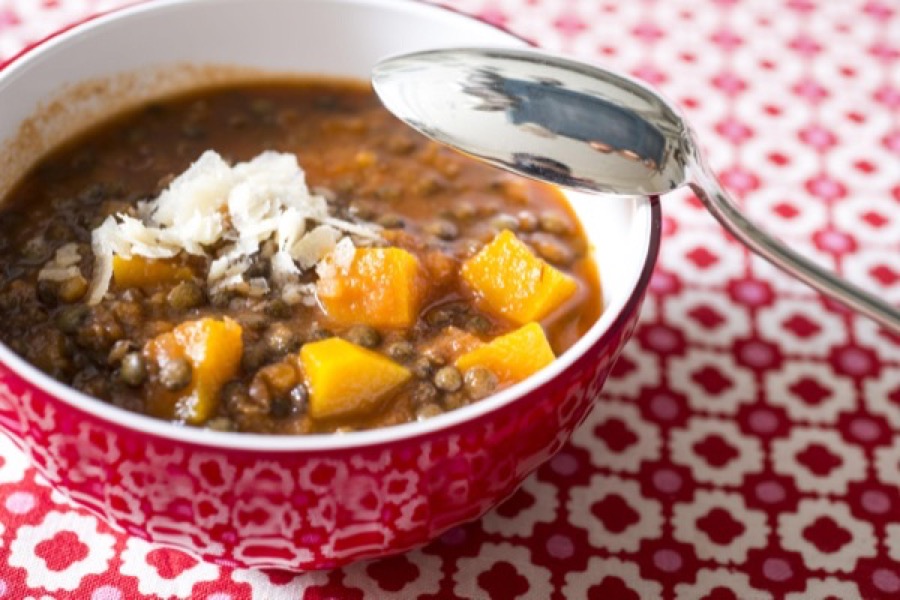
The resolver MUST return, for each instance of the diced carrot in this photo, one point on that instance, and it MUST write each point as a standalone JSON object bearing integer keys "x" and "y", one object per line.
{"x": 512, "y": 282}
{"x": 214, "y": 350}
{"x": 381, "y": 287}
{"x": 511, "y": 357}
{"x": 347, "y": 380}
{"x": 142, "y": 272}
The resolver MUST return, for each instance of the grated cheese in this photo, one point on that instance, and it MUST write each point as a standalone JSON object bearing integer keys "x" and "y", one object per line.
{"x": 234, "y": 210}
{"x": 341, "y": 258}
{"x": 63, "y": 266}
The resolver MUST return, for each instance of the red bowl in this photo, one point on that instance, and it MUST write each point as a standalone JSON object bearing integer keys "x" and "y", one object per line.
{"x": 304, "y": 502}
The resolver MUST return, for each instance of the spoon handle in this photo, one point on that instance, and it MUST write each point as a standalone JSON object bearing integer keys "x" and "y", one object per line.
{"x": 708, "y": 189}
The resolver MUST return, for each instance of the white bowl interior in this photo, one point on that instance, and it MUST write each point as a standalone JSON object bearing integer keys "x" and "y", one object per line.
{"x": 156, "y": 48}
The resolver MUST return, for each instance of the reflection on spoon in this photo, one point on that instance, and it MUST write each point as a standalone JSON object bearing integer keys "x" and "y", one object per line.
{"x": 584, "y": 128}
{"x": 549, "y": 109}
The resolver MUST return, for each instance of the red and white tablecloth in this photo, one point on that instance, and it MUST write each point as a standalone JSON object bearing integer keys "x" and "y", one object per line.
{"x": 748, "y": 443}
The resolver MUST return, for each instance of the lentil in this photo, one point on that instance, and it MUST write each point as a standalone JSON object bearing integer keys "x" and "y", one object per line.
{"x": 554, "y": 223}
{"x": 253, "y": 357}
{"x": 528, "y": 221}
{"x": 442, "y": 229}
{"x": 363, "y": 335}
{"x": 175, "y": 374}
{"x": 133, "y": 370}
{"x": 238, "y": 401}
{"x": 70, "y": 318}
{"x": 448, "y": 379}
{"x": 278, "y": 309}
{"x": 479, "y": 382}
{"x": 118, "y": 352}
{"x": 299, "y": 396}
{"x": 478, "y": 324}
{"x": 463, "y": 210}
{"x": 428, "y": 411}
{"x": 47, "y": 292}
{"x": 220, "y": 424}
{"x": 504, "y": 221}
{"x": 402, "y": 351}
{"x": 72, "y": 289}
{"x": 280, "y": 339}
{"x": 423, "y": 393}
{"x": 422, "y": 367}
{"x": 185, "y": 295}
{"x": 391, "y": 221}
{"x": 553, "y": 252}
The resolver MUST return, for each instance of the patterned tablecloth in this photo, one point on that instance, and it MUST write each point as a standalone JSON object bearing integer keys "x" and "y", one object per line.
{"x": 747, "y": 444}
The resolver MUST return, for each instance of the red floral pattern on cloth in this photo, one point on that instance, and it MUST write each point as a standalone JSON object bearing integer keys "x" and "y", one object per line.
{"x": 746, "y": 445}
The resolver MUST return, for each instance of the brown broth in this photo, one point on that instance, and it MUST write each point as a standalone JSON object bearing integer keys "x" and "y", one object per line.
{"x": 370, "y": 165}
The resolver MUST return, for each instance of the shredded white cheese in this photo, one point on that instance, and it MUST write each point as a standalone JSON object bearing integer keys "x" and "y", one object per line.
{"x": 63, "y": 266}
{"x": 234, "y": 209}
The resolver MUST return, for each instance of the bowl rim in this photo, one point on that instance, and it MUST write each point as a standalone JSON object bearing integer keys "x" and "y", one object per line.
{"x": 601, "y": 332}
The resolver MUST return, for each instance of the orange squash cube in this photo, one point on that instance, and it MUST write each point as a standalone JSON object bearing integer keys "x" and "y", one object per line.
{"x": 512, "y": 282}
{"x": 381, "y": 287}
{"x": 511, "y": 357}
{"x": 346, "y": 380}
{"x": 213, "y": 348}
{"x": 142, "y": 272}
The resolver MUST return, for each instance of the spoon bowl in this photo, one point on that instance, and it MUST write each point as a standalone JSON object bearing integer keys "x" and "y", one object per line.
{"x": 583, "y": 128}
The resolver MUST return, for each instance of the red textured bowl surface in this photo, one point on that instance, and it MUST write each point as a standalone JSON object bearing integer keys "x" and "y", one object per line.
{"x": 306, "y": 502}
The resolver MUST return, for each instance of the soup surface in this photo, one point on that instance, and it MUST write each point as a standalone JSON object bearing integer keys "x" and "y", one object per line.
{"x": 432, "y": 282}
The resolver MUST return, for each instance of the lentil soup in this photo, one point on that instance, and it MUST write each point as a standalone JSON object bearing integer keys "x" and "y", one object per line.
{"x": 401, "y": 279}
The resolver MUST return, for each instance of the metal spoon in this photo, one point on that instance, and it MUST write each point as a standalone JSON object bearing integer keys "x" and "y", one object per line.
{"x": 584, "y": 128}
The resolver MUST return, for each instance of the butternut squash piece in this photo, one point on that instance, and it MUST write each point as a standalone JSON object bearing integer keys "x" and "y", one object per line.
{"x": 437, "y": 267}
{"x": 514, "y": 283}
{"x": 213, "y": 348}
{"x": 142, "y": 272}
{"x": 346, "y": 380}
{"x": 381, "y": 287}
{"x": 511, "y": 357}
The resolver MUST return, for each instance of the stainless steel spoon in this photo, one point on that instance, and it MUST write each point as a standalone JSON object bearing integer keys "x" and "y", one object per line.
{"x": 584, "y": 128}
